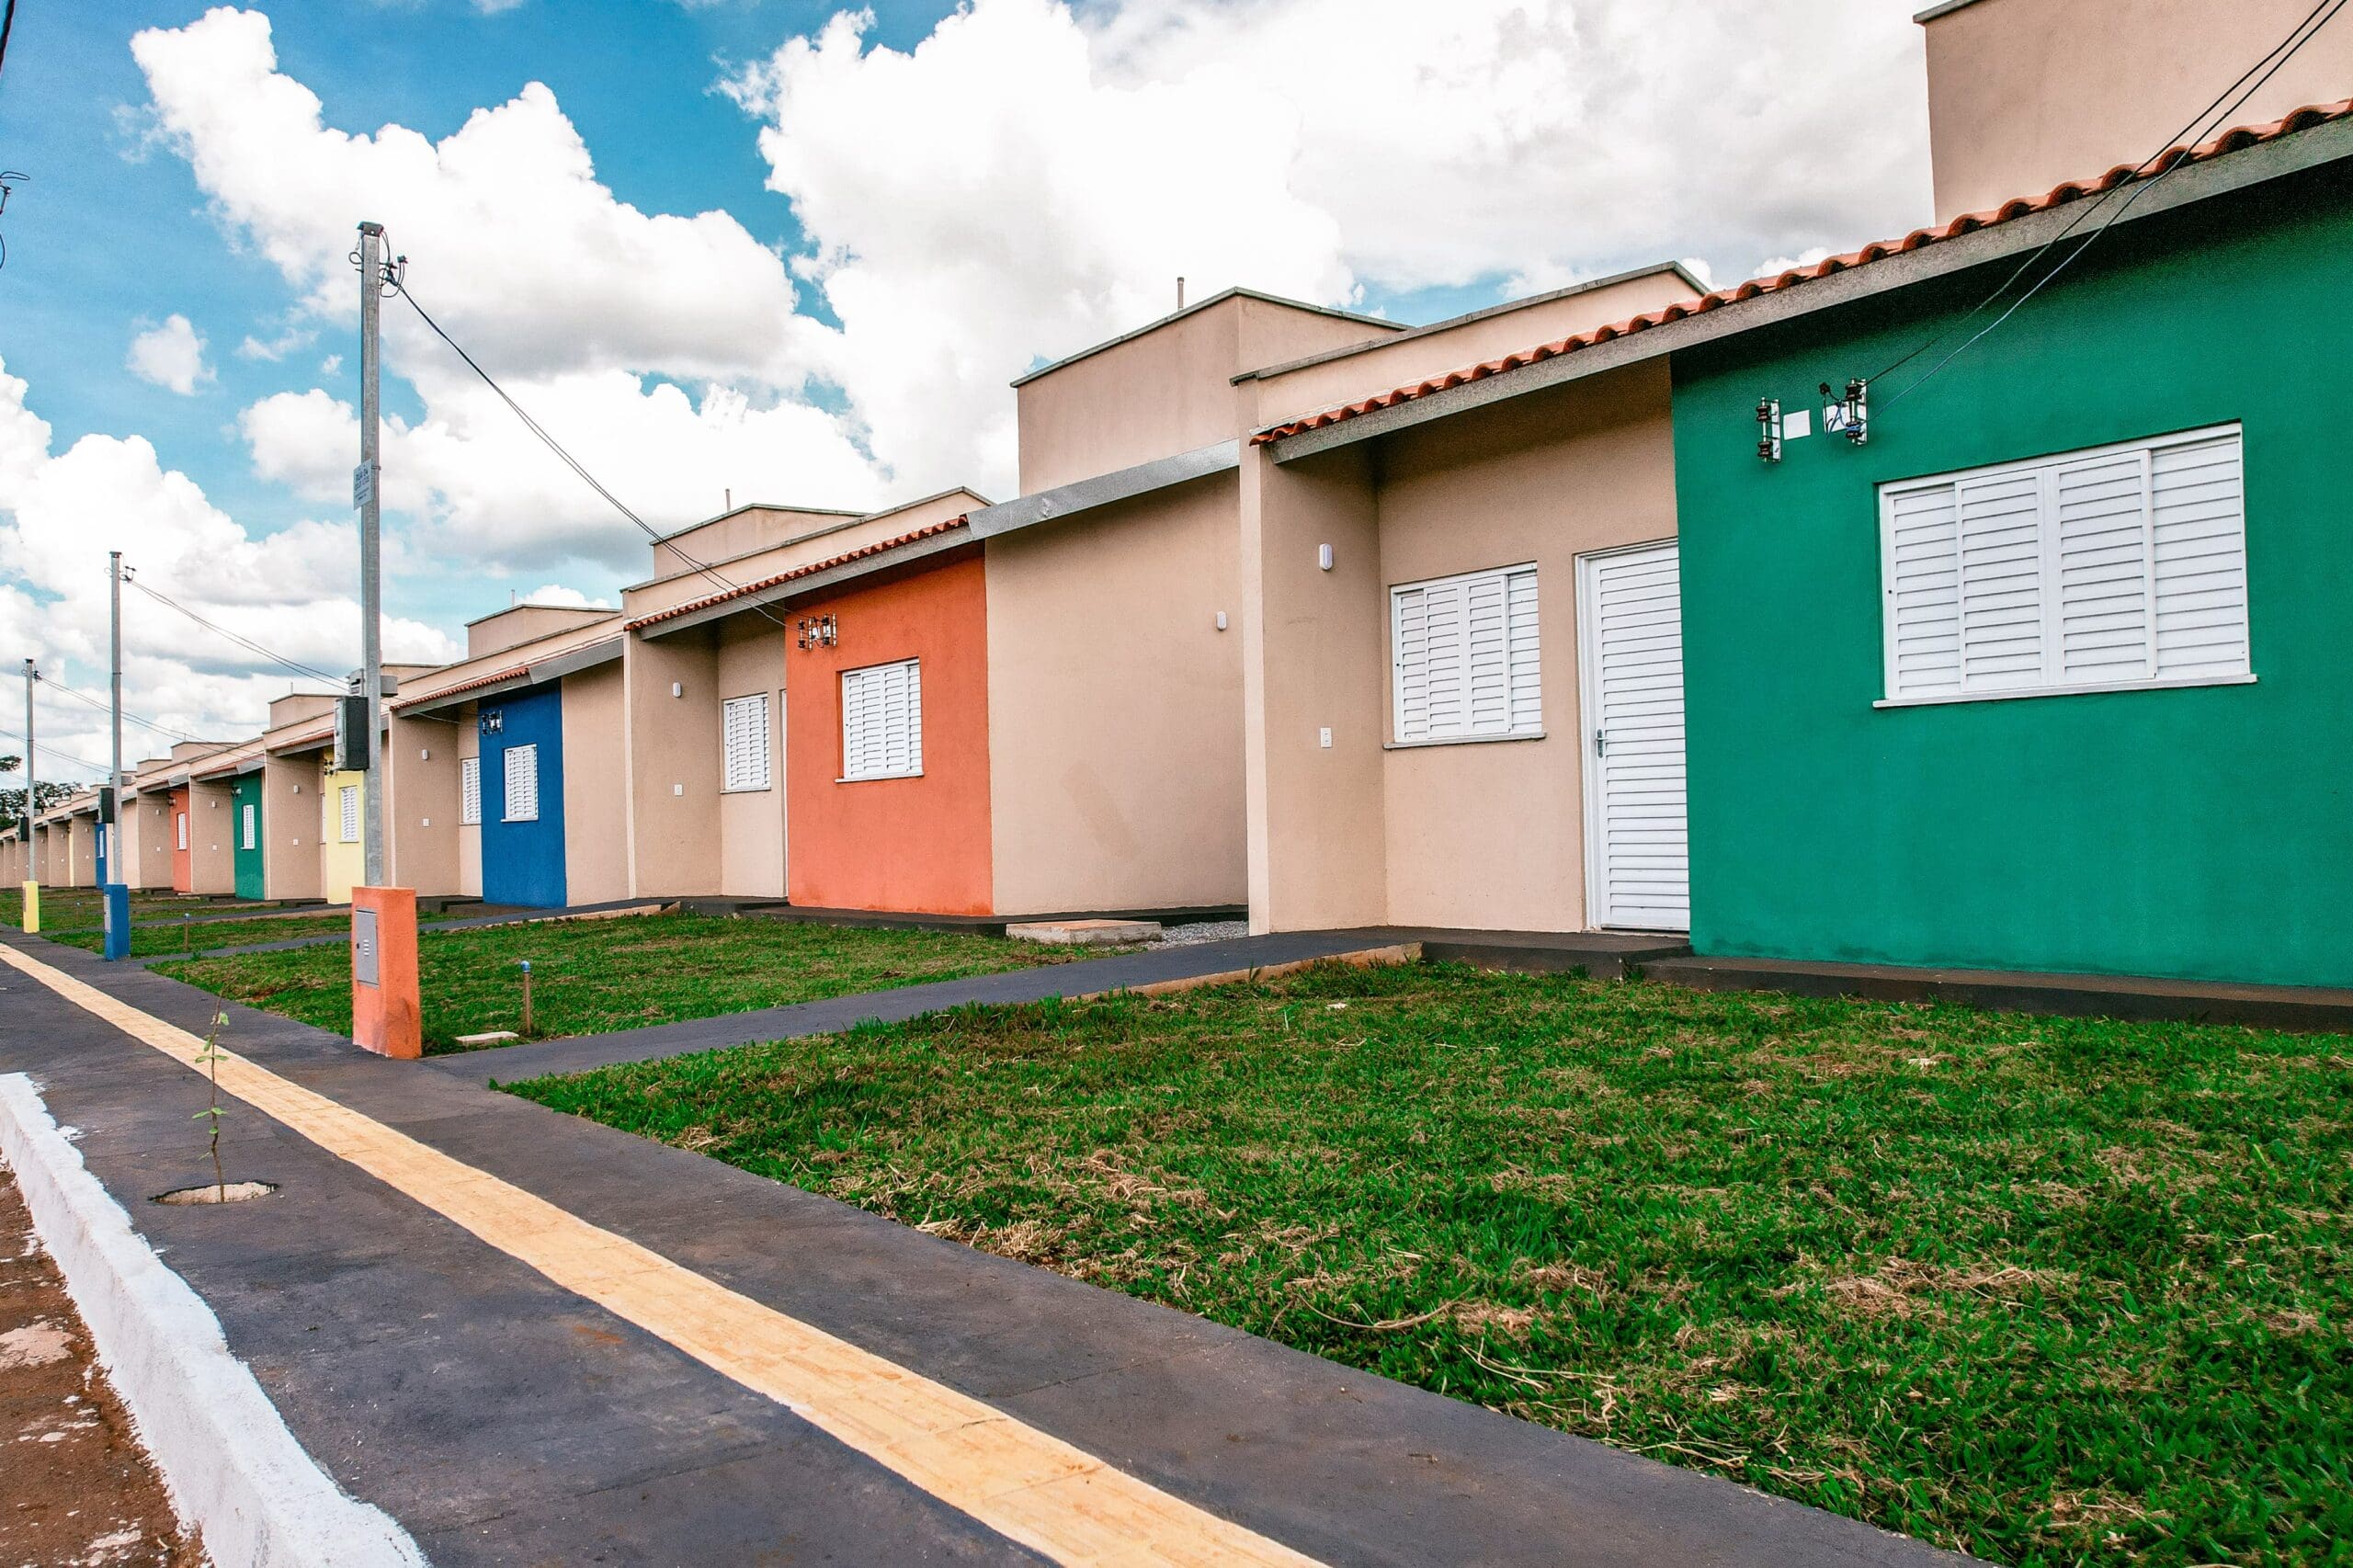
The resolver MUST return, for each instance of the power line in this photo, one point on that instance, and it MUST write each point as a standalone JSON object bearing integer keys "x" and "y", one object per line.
{"x": 49, "y": 750}
{"x": 2298, "y": 36}
{"x": 102, "y": 706}
{"x": 401, "y": 285}
{"x": 241, "y": 642}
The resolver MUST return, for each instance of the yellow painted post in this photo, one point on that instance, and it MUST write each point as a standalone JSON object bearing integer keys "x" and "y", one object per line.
{"x": 32, "y": 906}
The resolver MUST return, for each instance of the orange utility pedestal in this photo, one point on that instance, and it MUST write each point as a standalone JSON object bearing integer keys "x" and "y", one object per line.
{"x": 385, "y": 1016}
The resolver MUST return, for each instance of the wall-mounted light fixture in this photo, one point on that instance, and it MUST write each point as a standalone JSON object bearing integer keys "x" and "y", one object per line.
{"x": 1324, "y": 556}
{"x": 677, "y": 688}
{"x": 1768, "y": 429}
{"x": 1849, "y": 415}
{"x": 816, "y": 632}
{"x": 1220, "y": 620}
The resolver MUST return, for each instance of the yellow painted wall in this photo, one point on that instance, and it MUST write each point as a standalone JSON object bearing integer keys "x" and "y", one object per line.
{"x": 341, "y": 865}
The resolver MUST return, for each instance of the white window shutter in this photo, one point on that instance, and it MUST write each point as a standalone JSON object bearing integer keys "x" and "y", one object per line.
{"x": 2100, "y": 513}
{"x": 2198, "y": 524}
{"x": 2000, "y": 581}
{"x": 883, "y": 721}
{"x": 1923, "y": 570}
{"x": 347, "y": 798}
{"x": 470, "y": 790}
{"x": 247, "y": 827}
{"x": 1464, "y": 657}
{"x": 1526, "y": 684}
{"x": 743, "y": 724}
{"x": 183, "y": 830}
{"x": 2094, "y": 570}
{"x": 1409, "y": 638}
{"x": 522, "y": 783}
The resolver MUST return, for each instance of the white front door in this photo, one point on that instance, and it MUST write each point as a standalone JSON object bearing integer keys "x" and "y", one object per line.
{"x": 1630, "y": 615}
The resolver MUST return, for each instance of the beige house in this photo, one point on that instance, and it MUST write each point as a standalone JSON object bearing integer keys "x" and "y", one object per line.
{"x": 2026, "y": 94}
{"x": 1272, "y": 739}
{"x": 443, "y": 725}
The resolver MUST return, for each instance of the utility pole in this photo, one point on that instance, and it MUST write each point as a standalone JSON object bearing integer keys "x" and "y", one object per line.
{"x": 112, "y": 888}
{"x": 110, "y": 802}
{"x": 385, "y": 1015}
{"x": 372, "y": 516}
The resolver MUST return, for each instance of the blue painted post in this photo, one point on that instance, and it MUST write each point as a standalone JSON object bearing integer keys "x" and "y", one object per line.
{"x": 118, "y": 905}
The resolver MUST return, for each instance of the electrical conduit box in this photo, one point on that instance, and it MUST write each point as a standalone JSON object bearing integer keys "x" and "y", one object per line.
{"x": 385, "y": 1016}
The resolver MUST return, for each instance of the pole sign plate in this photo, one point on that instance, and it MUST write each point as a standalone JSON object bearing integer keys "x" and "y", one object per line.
{"x": 363, "y": 946}
{"x": 363, "y": 486}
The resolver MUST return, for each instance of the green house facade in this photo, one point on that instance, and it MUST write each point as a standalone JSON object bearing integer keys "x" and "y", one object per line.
{"x": 245, "y": 835}
{"x": 2054, "y": 671}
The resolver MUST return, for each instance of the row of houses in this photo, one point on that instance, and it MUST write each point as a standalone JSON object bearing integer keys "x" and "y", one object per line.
{"x": 1843, "y": 614}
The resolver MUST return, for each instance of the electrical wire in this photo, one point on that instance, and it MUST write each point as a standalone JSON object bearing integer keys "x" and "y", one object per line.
{"x": 246, "y": 643}
{"x": 7, "y": 25}
{"x": 2188, "y": 135}
{"x": 52, "y": 683}
{"x": 398, "y": 284}
{"x": 45, "y": 750}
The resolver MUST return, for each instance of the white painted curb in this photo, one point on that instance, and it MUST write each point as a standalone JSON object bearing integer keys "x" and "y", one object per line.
{"x": 234, "y": 1469}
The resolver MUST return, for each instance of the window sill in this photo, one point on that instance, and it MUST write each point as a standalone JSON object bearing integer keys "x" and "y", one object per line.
{"x": 1948, "y": 698}
{"x": 1463, "y": 741}
{"x": 515, "y": 820}
{"x": 880, "y": 777}
{"x": 747, "y": 789}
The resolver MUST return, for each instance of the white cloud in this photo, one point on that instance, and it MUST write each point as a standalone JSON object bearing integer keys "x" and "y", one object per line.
{"x": 1027, "y": 180}
{"x": 671, "y": 455}
{"x": 288, "y": 590}
{"x": 292, "y": 339}
{"x": 570, "y": 598}
{"x": 664, "y": 350}
{"x": 515, "y": 246}
{"x": 171, "y": 356}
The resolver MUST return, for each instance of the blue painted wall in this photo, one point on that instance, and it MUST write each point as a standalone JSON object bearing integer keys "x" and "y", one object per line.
{"x": 522, "y": 862}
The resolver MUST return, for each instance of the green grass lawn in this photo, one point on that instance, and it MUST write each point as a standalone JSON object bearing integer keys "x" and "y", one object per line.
{"x": 63, "y": 908}
{"x": 590, "y": 976}
{"x": 2055, "y": 1291}
{"x": 163, "y": 934}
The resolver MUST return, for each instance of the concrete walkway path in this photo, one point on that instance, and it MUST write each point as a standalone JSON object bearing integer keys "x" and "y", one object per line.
{"x": 1193, "y": 962}
{"x": 533, "y": 1339}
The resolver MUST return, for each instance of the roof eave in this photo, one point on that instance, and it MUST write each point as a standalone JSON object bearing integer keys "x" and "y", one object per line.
{"x": 668, "y": 623}
{"x": 2189, "y": 184}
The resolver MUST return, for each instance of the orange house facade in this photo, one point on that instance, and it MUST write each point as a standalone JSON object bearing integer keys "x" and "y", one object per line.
{"x": 886, "y": 727}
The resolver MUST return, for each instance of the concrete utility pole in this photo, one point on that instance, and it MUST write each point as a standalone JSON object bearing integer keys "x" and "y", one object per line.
{"x": 110, "y": 814}
{"x": 371, "y": 653}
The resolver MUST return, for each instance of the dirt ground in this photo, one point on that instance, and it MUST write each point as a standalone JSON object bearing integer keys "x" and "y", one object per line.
{"x": 76, "y": 1490}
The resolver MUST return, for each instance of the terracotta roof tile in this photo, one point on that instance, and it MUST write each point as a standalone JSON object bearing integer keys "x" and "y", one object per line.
{"x": 2229, "y": 140}
{"x": 440, "y": 691}
{"x": 877, "y": 547}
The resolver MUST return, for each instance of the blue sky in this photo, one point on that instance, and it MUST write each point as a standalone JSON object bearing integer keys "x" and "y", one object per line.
{"x": 811, "y": 287}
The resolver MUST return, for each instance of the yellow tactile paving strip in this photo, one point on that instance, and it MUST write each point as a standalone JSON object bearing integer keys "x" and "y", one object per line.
{"x": 1024, "y": 1484}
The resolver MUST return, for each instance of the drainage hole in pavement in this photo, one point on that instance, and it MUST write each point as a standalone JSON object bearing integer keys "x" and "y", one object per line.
{"x": 235, "y": 1192}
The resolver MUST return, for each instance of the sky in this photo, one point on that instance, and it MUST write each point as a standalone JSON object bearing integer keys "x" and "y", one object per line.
{"x": 779, "y": 250}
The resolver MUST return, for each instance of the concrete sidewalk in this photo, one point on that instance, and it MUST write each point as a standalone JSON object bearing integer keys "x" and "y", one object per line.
{"x": 505, "y": 1419}
{"x": 1154, "y": 966}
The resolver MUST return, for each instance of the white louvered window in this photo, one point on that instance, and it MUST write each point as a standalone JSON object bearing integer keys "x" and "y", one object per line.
{"x": 523, "y": 783}
{"x": 744, "y": 726}
{"x": 183, "y": 830}
{"x": 883, "y": 721}
{"x": 247, "y": 829}
{"x": 2099, "y": 571}
{"x": 1464, "y": 653}
{"x": 347, "y": 803}
{"x": 469, "y": 791}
